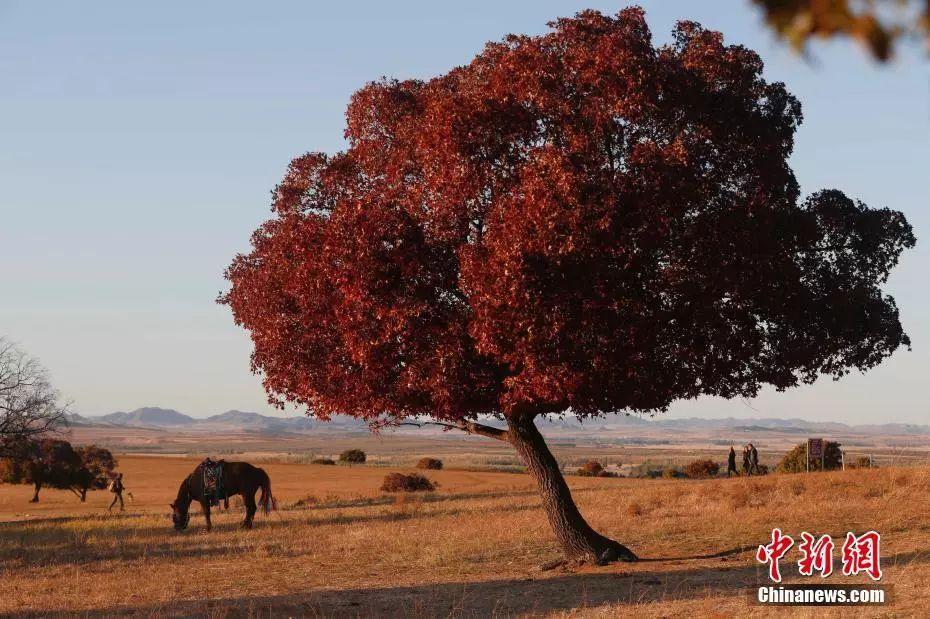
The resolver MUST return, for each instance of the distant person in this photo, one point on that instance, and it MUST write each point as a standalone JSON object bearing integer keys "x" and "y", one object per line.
{"x": 747, "y": 465}
{"x": 117, "y": 488}
{"x": 731, "y": 462}
{"x": 753, "y": 459}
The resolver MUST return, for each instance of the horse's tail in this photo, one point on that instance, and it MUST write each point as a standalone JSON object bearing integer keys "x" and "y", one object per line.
{"x": 266, "y": 500}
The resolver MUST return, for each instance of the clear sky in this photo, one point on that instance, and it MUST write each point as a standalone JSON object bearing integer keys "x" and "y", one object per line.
{"x": 139, "y": 143}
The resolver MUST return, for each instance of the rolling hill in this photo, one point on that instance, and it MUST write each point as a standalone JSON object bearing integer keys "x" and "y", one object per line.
{"x": 245, "y": 421}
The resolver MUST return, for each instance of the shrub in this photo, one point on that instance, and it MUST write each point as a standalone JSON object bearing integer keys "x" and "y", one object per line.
{"x": 322, "y": 461}
{"x": 353, "y": 456}
{"x": 670, "y": 473}
{"x": 795, "y": 461}
{"x": 434, "y": 464}
{"x": 591, "y": 468}
{"x": 702, "y": 469}
{"x": 414, "y": 482}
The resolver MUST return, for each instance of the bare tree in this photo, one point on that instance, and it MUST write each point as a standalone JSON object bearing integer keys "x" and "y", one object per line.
{"x": 29, "y": 405}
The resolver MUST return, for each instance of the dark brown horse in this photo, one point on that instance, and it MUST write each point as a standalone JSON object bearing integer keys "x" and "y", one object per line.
{"x": 236, "y": 478}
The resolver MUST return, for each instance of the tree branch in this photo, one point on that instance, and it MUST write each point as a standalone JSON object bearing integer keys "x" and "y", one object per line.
{"x": 469, "y": 427}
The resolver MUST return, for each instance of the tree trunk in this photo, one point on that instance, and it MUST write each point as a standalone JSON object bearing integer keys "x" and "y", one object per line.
{"x": 35, "y": 497}
{"x": 579, "y": 541}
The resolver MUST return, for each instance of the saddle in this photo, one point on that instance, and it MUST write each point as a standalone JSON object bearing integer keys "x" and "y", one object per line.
{"x": 212, "y": 471}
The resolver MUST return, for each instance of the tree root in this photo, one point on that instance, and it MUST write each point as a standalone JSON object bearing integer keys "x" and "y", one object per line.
{"x": 614, "y": 553}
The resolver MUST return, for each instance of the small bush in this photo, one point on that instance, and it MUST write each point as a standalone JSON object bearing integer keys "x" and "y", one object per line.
{"x": 414, "y": 482}
{"x": 671, "y": 473}
{"x": 702, "y": 469}
{"x": 322, "y": 461}
{"x": 433, "y": 464}
{"x": 353, "y": 456}
{"x": 795, "y": 461}
{"x": 591, "y": 468}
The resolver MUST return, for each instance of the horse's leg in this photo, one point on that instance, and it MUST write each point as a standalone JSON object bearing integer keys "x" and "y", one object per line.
{"x": 249, "y": 499}
{"x": 206, "y": 513}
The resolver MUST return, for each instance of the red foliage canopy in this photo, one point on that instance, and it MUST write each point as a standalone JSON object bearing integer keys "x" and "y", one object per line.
{"x": 578, "y": 220}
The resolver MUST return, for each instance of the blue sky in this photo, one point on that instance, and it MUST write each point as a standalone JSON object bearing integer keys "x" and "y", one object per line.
{"x": 140, "y": 142}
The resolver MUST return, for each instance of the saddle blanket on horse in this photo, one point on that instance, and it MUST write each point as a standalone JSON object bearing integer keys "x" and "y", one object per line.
{"x": 212, "y": 480}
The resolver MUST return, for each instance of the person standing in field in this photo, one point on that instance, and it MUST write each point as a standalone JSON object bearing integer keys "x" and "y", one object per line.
{"x": 731, "y": 462}
{"x": 753, "y": 459}
{"x": 117, "y": 487}
{"x": 747, "y": 468}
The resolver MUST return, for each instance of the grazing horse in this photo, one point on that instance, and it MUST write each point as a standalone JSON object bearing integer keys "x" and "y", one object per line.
{"x": 236, "y": 478}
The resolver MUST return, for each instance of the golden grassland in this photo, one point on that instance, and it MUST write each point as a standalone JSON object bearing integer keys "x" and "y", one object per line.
{"x": 338, "y": 546}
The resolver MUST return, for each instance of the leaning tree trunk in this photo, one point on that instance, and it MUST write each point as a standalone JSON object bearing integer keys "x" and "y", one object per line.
{"x": 35, "y": 497}
{"x": 578, "y": 540}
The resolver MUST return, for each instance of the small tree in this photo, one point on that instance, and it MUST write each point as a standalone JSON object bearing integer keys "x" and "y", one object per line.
{"x": 591, "y": 468}
{"x": 56, "y": 464}
{"x": 47, "y": 462}
{"x": 98, "y": 469}
{"x": 578, "y": 221}
{"x": 795, "y": 461}
{"x": 353, "y": 456}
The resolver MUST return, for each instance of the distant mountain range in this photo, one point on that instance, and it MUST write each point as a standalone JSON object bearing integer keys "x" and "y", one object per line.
{"x": 733, "y": 424}
{"x": 166, "y": 418}
{"x": 234, "y": 420}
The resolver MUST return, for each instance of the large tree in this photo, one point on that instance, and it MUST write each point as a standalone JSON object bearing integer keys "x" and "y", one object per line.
{"x": 575, "y": 222}
{"x": 29, "y": 405}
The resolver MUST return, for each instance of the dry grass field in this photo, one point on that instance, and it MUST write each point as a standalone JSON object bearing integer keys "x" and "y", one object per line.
{"x": 339, "y": 547}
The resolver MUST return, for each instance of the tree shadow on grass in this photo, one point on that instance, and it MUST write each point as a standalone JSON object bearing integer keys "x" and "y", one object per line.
{"x": 515, "y": 596}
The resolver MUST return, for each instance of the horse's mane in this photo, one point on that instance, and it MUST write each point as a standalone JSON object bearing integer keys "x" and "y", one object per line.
{"x": 184, "y": 492}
